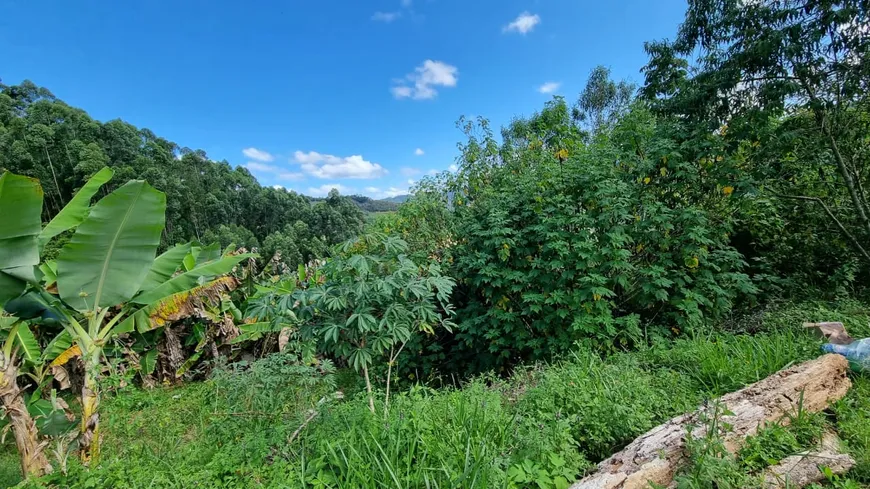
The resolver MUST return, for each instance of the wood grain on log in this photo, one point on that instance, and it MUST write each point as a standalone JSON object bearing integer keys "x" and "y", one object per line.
{"x": 655, "y": 456}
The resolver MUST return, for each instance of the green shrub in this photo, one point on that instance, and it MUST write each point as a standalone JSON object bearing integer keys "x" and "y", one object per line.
{"x": 561, "y": 243}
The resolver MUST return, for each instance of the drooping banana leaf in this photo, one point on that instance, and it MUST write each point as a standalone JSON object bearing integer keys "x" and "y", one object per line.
{"x": 190, "y": 279}
{"x": 110, "y": 253}
{"x": 175, "y": 307}
{"x": 21, "y": 208}
{"x": 77, "y": 209}
{"x": 38, "y": 306}
{"x": 164, "y": 266}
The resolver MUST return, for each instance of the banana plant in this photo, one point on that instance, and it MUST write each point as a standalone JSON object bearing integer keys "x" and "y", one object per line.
{"x": 108, "y": 280}
{"x": 19, "y": 257}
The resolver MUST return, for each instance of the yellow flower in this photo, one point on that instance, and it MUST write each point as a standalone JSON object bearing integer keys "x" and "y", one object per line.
{"x": 719, "y": 158}
{"x": 646, "y": 180}
{"x": 728, "y": 190}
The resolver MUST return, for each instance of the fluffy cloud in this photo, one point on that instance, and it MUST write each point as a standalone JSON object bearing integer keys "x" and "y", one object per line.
{"x": 257, "y": 154}
{"x": 386, "y": 16}
{"x": 324, "y": 189}
{"x": 278, "y": 172}
{"x": 421, "y": 84}
{"x": 549, "y": 87}
{"x": 329, "y": 166}
{"x": 523, "y": 24}
{"x": 261, "y": 167}
{"x": 419, "y": 152}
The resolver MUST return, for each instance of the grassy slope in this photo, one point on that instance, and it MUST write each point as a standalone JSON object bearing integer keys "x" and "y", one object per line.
{"x": 543, "y": 427}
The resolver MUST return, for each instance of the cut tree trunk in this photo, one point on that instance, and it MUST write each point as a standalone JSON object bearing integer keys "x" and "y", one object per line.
{"x": 655, "y": 456}
{"x": 31, "y": 451}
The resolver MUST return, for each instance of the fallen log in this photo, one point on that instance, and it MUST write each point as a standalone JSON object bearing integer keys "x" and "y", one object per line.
{"x": 804, "y": 469}
{"x": 655, "y": 456}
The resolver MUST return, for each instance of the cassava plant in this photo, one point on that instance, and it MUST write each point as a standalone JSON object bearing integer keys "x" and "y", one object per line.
{"x": 374, "y": 300}
{"x": 108, "y": 281}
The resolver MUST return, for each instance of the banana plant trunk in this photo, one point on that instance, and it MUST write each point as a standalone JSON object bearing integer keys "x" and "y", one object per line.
{"x": 90, "y": 437}
{"x": 33, "y": 460}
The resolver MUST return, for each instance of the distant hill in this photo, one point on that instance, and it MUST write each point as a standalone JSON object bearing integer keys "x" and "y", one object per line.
{"x": 369, "y": 204}
{"x": 398, "y": 199}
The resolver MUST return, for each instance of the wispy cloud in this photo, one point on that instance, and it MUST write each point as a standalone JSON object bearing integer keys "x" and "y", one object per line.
{"x": 549, "y": 87}
{"x": 261, "y": 167}
{"x": 419, "y": 152}
{"x": 257, "y": 154}
{"x": 409, "y": 172}
{"x": 421, "y": 84}
{"x": 324, "y": 189}
{"x": 330, "y": 166}
{"x": 386, "y": 16}
{"x": 523, "y": 24}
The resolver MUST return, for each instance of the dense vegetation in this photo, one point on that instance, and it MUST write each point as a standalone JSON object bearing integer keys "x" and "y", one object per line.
{"x": 208, "y": 201}
{"x": 601, "y": 266}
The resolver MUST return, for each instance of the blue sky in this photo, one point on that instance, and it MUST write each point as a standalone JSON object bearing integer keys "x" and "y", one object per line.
{"x": 363, "y": 95}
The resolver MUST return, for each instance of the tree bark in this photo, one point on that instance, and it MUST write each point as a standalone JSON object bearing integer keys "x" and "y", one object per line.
{"x": 90, "y": 430}
{"x": 655, "y": 456}
{"x": 31, "y": 451}
{"x": 802, "y": 469}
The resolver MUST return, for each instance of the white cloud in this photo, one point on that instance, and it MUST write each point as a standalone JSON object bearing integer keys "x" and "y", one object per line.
{"x": 453, "y": 167}
{"x": 409, "y": 172}
{"x": 279, "y": 187}
{"x": 420, "y": 85}
{"x": 261, "y": 167}
{"x": 523, "y": 24}
{"x": 432, "y": 172}
{"x": 329, "y": 166}
{"x": 324, "y": 189}
{"x": 412, "y": 182}
{"x": 549, "y": 87}
{"x": 419, "y": 152}
{"x": 386, "y": 17}
{"x": 290, "y": 176}
{"x": 257, "y": 154}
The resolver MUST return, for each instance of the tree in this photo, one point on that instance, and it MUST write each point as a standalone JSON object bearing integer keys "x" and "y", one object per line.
{"x": 756, "y": 60}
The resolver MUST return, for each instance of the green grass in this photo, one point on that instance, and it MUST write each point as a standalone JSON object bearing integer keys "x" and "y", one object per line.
{"x": 542, "y": 428}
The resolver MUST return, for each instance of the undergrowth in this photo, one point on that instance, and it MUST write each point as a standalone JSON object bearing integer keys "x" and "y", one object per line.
{"x": 278, "y": 424}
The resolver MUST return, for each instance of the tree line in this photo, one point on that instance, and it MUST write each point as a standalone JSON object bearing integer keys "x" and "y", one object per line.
{"x": 207, "y": 201}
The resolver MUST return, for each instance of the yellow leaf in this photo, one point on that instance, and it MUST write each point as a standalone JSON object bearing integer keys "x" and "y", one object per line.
{"x": 562, "y": 154}
{"x": 728, "y": 190}
{"x": 663, "y": 171}
{"x": 66, "y": 356}
{"x": 719, "y": 158}
{"x": 596, "y": 297}
{"x": 646, "y": 180}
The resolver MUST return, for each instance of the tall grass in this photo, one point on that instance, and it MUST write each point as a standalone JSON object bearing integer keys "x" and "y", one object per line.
{"x": 542, "y": 428}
